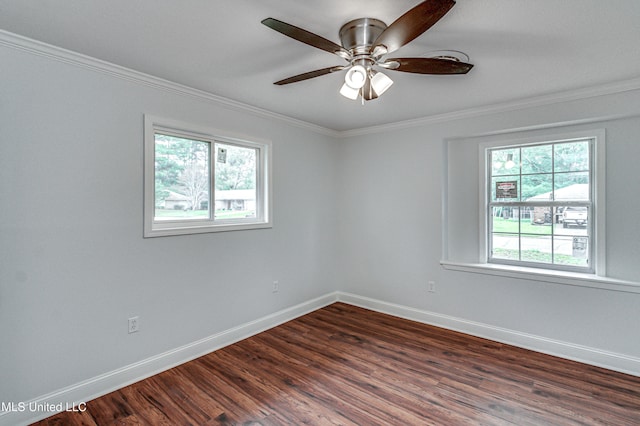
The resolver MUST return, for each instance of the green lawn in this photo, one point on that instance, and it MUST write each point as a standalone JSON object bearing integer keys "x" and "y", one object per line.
{"x": 233, "y": 214}
{"x": 202, "y": 214}
{"x": 511, "y": 226}
{"x": 538, "y": 256}
{"x": 181, "y": 213}
{"x": 531, "y": 230}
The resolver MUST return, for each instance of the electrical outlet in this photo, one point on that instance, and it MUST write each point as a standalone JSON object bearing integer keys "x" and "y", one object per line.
{"x": 134, "y": 325}
{"x": 276, "y": 287}
{"x": 431, "y": 286}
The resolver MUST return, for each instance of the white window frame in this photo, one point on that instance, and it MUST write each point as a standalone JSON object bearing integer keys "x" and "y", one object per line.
{"x": 597, "y": 238}
{"x": 156, "y": 228}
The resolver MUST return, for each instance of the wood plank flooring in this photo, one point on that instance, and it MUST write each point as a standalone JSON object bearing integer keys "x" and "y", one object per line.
{"x": 343, "y": 365}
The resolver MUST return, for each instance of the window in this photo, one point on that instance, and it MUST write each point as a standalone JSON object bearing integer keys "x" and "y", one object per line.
{"x": 197, "y": 180}
{"x": 540, "y": 205}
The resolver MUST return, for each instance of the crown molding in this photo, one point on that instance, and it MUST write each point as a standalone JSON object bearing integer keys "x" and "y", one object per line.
{"x": 39, "y": 48}
{"x": 59, "y": 54}
{"x": 532, "y": 102}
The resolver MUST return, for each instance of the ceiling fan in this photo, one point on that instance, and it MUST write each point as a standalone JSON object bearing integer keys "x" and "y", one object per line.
{"x": 365, "y": 44}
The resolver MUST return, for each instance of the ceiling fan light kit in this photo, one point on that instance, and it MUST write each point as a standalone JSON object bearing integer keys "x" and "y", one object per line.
{"x": 365, "y": 44}
{"x": 349, "y": 92}
{"x": 356, "y": 76}
{"x": 380, "y": 82}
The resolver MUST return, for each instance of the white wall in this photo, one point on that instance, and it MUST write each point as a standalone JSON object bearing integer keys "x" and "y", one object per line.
{"x": 73, "y": 263}
{"x": 391, "y": 229}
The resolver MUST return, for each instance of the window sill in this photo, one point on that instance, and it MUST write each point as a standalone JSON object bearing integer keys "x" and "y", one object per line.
{"x": 545, "y": 275}
{"x": 168, "y": 230}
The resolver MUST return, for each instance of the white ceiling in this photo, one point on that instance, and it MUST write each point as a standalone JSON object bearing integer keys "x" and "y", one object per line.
{"x": 520, "y": 49}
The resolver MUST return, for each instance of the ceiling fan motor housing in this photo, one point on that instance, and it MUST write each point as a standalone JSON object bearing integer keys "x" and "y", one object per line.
{"x": 358, "y": 35}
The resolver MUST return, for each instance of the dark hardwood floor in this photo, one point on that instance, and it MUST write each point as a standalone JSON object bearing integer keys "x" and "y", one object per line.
{"x": 343, "y": 365}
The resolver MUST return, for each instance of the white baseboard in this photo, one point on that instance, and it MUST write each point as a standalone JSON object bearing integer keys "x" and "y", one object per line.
{"x": 23, "y": 413}
{"x": 587, "y": 355}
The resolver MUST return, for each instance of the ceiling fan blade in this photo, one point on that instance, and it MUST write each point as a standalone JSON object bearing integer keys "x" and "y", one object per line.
{"x": 413, "y": 23}
{"x": 308, "y": 75}
{"x": 431, "y": 66}
{"x": 306, "y": 37}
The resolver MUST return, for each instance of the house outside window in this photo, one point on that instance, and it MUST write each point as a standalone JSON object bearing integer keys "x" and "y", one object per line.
{"x": 199, "y": 180}
{"x": 540, "y": 205}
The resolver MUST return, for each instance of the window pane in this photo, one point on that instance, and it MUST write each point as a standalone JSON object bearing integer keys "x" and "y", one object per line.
{"x": 181, "y": 178}
{"x": 505, "y": 161}
{"x": 571, "y": 156}
{"x": 505, "y": 246}
{"x": 575, "y": 220}
{"x": 572, "y": 186}
{"x": 235, "y": 180}
{"x": 539, "y": 221}
{"x": 537, "y": 187}
{"x": 505, "y": 188}
{"x": 505, "y": 219}
{"x": 536, "y": 248}
{"x": 537, "y": 159}
{"x": 571, "y": 250}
